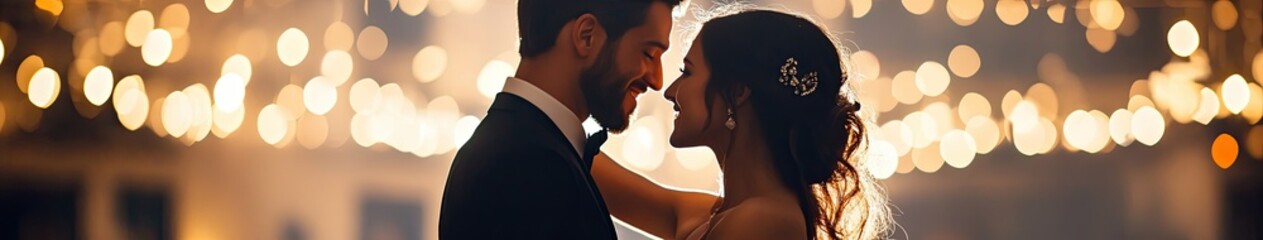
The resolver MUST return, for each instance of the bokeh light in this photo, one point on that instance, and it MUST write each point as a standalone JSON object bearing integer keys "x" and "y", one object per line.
{"x": 218, "y": 6}
{"x": 44, "y": 88}
{"x": 1011, "y": 12}
{"x": 239, "y": 65}
{"x": 1120, "y": 127}
{"x": 829, "y": 9}
{"x": 131, "y": 103}
{"x": 491, "y": 78}
{"x": 292, "y": 47}
{"x": 1236, "y": 94}
{"x": 372, "y": 43}
{"x": 866, "y": 64}
{"x": 177, "y": 113}
{"x": 1183, "y": 38}
{"x": 1254, "y": 142}
{"x": 958, "y": 148}
{"x": 1108, "y": 14}
{"x": 860, "y": 8}
{"x": 336, "y": 67}
{"x": 319, "y": 95}
{"x": 932, "y": 78}
{"x": 699, "y": 158}
{"x": 157, "y": 48}
{"x": 964, "y": 61}
{"x": 312, "y": 131}
{"x": 273, "y": 124}
{"x": 339, "y": 36}
{"x": 881, "y": 159}
{"x": 1207, "y": 107}
{"x": 429, "y": 63}
{"x": 904, "y": 87}
{"x": 1057, "y": 13}
{"x": 230, "y": 92}
{"x": 985, "y": 132}
{"x": 1147, "y": 125}
{"x": 964, "y": 12}
{"x": 200, "y": 102}
{"x": 1224, "y": 150}
{"x": 918, "y": 7}
{"x": 1224, "y": 14}
{"x": 139, "y": 24}
{"x": 98, "y": 85}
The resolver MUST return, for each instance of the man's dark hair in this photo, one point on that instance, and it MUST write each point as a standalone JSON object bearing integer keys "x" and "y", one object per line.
{"x": 540, "y": 21}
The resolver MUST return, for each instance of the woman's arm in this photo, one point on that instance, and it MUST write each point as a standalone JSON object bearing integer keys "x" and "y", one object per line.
{"x": 645, "y": 204}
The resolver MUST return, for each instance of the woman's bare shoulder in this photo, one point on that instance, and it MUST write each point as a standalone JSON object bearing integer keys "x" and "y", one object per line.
{"x": 762, "y": 218}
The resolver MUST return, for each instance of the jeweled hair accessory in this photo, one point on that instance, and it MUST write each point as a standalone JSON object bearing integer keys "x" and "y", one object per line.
{"x": 803, "y": 85}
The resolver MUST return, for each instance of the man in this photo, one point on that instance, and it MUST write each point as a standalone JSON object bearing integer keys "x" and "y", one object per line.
{"x": 525, "y": 171}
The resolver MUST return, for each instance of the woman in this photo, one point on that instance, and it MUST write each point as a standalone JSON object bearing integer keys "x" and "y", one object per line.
{"x": 763, "y": 90}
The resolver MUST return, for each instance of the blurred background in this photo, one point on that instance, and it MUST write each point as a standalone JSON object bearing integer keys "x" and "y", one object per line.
{"x": 338, "y": 119}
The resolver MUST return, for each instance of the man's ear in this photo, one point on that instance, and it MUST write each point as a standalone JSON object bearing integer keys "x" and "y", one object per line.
{"x": 587, "y": 35}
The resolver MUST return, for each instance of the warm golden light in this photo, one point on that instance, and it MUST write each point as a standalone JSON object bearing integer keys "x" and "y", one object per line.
{"x": 1207, "y": 107}
{"x": 339, "y": 36}
{"x": 973, "y": 105}
{"x": 1024, "y": 117}
{"x": 2, "y": 50}
{"x": 932, "y": 78}
{"x": 175, "y": 19}
{"x": 230, "y": 92}
{"x": 26, "y": 70}
{"x": 177, "y": 113}
{"x": 898, "y": 135}
{"x": 924, "y": 129}
{"x": 1108, "y": 14}
{"x": 1147, "y": 125}
{"x": 904, "y": 87}
{"x": 881, "y": 159}
{"x": 1254, "y": 111}
{"x": 413, "y": 7}
{"x": 292, "y": 47}
{"x": 698, "y": 158}
{"x": 1224, "y": 150}
{"x": 312, "y": 131}
{"x": 1183, "y": 38}
{"x": 1224, "y": 14}
{"x": 1254, "y": 142}
{"x": 225, "y": 123}
{"x": 918, "y": 7}
{"x": 859, "y": 8}
{"x": 238, "y": 65}
{"x": 273, "y": 124}
{"x": 964, "y": 61}
{"x": 98, "y": 85}
{"x": 45, "y": 87}
{"x": 464, "y": 129}
{"x": 957, "y": 148}
{"x": 218, "y": 6}
{"x": 290, "y": 99}
{"x": 1057, "y": 13}
{"x": 372, "y": 43}
{"x": 964, "y": 12}
{"x": 336, "y": 67}
{"x": 365, "y": 96}
{"x": 1236, "y": 93}
{"x": 1079, "y": 130}
{"x": 1011, "y": 12}
{"x": 1044, "y": 98}
{"x": 491, "y": 78}
{"x": 139, "y": 24}
{"x": 1100, "y": 39}
{"x": 866, "y": 64}
{"x": 200, "y": 101}
{"x": 928, "y": 159}
{"x": 985, "y": 132}
{"x": 829, "y": 9}
{"x": 877, "y": 93}
{"x": 1257, "y": 67}
{"x": 429, "y": 64}
{"x": 131, "y": 102}
{"x": 319, "y": 95}
{"x": 1120, "y": 127}
{"x": 112, "y": 39}
{"x": 157, "y": 47}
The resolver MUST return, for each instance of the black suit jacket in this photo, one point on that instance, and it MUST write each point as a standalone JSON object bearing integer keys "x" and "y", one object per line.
{"x": 518, "y": 177}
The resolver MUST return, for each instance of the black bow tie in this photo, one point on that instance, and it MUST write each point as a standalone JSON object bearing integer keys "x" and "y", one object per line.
{"x": 593, "y": 146}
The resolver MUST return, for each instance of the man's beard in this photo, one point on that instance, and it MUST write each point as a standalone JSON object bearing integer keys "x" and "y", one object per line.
{"x": 604, "y": 91}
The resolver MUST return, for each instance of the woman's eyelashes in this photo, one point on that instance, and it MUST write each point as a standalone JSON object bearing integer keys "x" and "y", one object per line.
{"x": 684, "y": 72}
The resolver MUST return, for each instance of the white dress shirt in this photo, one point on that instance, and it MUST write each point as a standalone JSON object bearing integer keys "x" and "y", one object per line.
{"x": 562, "y": 116}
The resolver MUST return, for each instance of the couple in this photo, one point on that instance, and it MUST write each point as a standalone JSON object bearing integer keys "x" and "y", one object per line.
{"x": 761, "y": 88}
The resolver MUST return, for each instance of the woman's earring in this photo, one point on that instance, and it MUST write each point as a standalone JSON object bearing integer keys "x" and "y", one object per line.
{"x": 731, "y": 123}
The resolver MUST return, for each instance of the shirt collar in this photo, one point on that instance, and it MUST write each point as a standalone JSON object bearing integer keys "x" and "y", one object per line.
{"x": 561, "y": 116}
